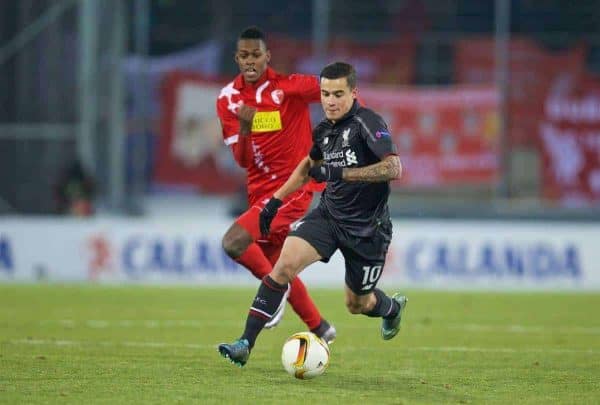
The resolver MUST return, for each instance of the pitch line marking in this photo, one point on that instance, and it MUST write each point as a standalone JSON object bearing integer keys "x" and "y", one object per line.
{"x": 526, "y": 329}
{"x": 153, "y": 324}
{"x": 44, "y": 342}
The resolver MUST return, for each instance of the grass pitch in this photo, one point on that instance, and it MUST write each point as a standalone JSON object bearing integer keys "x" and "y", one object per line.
{"x": 95, "y": 344}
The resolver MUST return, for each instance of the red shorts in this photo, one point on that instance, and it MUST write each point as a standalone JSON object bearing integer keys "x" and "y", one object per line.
{"x": 294, "y": 207}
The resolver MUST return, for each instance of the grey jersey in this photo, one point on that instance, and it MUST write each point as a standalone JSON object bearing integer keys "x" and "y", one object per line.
{"x": 360, "y": 138}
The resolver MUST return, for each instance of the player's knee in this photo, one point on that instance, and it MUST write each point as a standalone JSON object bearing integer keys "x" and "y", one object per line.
{"x": 287, "y": 268}
{"x": 235, "y": 243}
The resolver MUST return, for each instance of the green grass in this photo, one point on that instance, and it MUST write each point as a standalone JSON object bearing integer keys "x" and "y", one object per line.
{"x": 92, "y": 344}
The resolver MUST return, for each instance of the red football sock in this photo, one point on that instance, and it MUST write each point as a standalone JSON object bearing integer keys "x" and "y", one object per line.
{"x": 255, "y": 260}
{"x": 304, "y": 305}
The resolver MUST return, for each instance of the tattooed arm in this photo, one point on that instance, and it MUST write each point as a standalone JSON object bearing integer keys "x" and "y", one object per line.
{"x": 388, "y": 169}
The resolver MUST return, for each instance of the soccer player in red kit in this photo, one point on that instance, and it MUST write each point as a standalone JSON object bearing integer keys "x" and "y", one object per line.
{"x": 266, "y": 122}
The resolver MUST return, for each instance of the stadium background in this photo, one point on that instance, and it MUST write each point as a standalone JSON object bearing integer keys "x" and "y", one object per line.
{"x": 495, "y": 107}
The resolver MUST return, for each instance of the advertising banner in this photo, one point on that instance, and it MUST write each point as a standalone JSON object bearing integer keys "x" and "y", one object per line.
{"x": 424, "y": 254}
{"x": 445, "y": 136}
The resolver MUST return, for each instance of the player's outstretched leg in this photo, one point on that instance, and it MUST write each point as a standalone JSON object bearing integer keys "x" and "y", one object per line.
{"x": 237, "y": 352}
{"x": 301, "y": 302}
{"x": 264, "y": 305}
{"x": 390, "y": 326}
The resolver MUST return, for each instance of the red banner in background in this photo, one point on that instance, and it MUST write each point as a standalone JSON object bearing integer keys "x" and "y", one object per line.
{"x": 532, "y": 71}
{"x": 570, "y": 138}
{"x": 444, "y": 136}
{"x": 190, "y": 149}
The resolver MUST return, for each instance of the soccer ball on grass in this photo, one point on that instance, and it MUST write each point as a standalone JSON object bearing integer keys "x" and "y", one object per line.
{"x": 305, "y": 355}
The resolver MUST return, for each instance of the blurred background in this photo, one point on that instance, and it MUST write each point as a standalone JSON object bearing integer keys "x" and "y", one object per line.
{"x": 495, "y": 105}
{"x": 107, "y": 112}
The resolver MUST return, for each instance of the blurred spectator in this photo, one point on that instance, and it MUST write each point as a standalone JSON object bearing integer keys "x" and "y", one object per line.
{"x": 75, "y": 191}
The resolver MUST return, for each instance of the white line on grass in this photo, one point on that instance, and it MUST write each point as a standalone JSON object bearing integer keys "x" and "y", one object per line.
{"x": 526, "y": 329}
{"x": 42, "y": 342}
{"x": 154, "y": 324}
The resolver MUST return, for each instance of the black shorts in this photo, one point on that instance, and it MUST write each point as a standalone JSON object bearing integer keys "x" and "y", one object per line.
{"x": 364, "y": 257}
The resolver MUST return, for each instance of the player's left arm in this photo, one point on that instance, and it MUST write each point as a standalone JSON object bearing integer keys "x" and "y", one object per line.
{"x": 388, "y": 169}
{"x": 376, "y": 134}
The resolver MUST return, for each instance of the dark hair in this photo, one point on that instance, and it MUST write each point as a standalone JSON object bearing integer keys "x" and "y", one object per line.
{"x": 337, "y": 70}
{"x": 253, "y": 32}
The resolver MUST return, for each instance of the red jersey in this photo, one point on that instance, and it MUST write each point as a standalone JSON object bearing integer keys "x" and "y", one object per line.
{"x": 281, "y": 130}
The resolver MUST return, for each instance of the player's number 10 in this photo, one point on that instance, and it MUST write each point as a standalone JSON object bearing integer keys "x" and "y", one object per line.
{"x": 371, "y": 275}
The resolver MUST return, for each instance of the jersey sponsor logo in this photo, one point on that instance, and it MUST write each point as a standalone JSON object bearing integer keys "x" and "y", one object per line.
{"x": 277, "y": 96}
{"x": 333, "y": 155}
{"x": 341, "y": 158}
{"x": 351, "y": 157}
{"x": 345, "y": 136}
{"x": 381, "y": 134}
{"x": 266, "y": 121}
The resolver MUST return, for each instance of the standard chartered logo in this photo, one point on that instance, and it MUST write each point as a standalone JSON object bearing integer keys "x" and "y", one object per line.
{"x": 333, "y": 155}
{"x": 341, "y": 158}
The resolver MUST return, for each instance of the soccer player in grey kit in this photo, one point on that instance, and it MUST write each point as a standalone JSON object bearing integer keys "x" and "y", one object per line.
{"x": 353, "y": 152}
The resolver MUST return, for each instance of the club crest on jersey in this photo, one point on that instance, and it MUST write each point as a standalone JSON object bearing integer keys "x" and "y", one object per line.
{"x": 326, "y": 140}
{"x": 277, "y": 96}
{"x": 345, "y": 135}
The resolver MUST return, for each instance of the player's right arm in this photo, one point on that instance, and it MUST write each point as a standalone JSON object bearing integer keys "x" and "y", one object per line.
{"x": 297, "y": 179}
{"x": 236, "y": 132}
{"x": 299, "y": 176}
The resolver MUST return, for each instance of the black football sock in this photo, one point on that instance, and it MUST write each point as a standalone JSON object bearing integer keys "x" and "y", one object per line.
{"x": 265, "y": 304}
{"x": 385, "y": 307}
